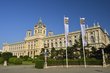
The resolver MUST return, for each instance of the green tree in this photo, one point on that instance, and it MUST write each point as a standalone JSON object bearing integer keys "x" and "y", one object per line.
{"x": 87, "y": 53}
{"x": 107, "y": 49}
{"x": 42, "y": 53}
{"x": 70, "y": 51}
{"x": 74, "y": 51}
{"x": 25, "y": 58}
{"x": 53, "y": 53}
{"x": 96, "y": 53}
{"x": 61, "y": 54}
{"x": 107, "y": 52}
{"x": 0, "y": 54}
{"x": 6, "y": 55}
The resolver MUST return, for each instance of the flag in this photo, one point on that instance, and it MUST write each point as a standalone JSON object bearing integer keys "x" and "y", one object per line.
{"x": 66, "y": 29}
{"x": 82, "y": 23}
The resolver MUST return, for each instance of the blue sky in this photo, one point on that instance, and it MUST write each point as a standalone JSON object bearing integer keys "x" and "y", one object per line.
{"x": 17, "y": 16}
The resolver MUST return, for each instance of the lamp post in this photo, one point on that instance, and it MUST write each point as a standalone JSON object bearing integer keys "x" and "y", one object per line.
{"x": 103, "y": 56}
{"x": 45, "y": 54}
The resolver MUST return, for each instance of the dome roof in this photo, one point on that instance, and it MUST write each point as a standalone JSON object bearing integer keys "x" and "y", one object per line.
{"x": 40, "y": 24}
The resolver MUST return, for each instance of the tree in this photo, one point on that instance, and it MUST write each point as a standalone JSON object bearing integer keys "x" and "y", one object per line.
{"x": 87, "y": 53}
{"x": 70, "y": 52}
{"x": 6, "y": 55}
{"x": 74, "y": 51}
{"x": 53, "y": 53}
{"x": 42, "y": 53}
{"x": 61, "y": 54}
{"x": 107, "y": 51}
{"x": 96, "y": 53}
{"x": 0, "y": 54}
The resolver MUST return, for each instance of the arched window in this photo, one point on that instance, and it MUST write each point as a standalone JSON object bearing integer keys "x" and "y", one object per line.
{"x": 60, "y": 44}
{"x": 40, "y": 31}
{"x": 48, "y": 45}
{"x": 70, "y": 43}
{"x": 92, "y": 39}
{"x": 51, "y": 45}
{"x": 56, "y": 45}
{"x": 75, "y": 41}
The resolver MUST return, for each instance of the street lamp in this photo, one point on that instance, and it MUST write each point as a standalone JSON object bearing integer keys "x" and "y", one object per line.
{"x": 103, "y": 56}
{"x": 45, "y": 54}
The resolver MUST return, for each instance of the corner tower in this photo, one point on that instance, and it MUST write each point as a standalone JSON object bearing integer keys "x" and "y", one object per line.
{"x": 40, "y": 29}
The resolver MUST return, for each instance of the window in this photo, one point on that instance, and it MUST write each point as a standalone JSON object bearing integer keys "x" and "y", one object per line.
{"x": 51, "y": 40}
{"x": 60, "y": 38}
{"x": 48, "y": 45}
{"x": 56, "y": 44}
{"x": 74, "y": 36}
{"x": 51, "y": 44}
{"x": 92, "y": 39}
{"x": 56, "y": 40}
{"x": 91, "y": 32}
{"x": 75, "y": 41}
{"x": 60, "y": 44}
{"x": 29, "y": 34}
{"x": 70, "y": 42}
{"x": 48, "y": 41}
{"x": 40, "y": 31}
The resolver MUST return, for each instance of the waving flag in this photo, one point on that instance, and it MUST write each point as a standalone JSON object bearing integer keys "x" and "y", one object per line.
{"x": 66, "y": 29}
{"x": 82, "y": 23}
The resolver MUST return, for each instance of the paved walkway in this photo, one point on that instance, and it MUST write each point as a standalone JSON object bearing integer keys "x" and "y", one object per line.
{"x": 31, "y": 69}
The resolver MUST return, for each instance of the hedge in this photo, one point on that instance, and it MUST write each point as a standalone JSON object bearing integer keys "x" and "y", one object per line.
{"x": 39, "y": 64}
{"x": 91, "y": 61}
{"x": 1, "y": 60}
{"x": 52, "y": 62}
{"x": 107, "y": 61}
{"x": 94, "y": 61}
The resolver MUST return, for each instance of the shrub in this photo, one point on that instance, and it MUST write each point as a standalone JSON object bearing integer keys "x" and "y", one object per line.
{"x": 1, "y": 60}
{"x": 89, "y": 61}
{"x": 16, "y": 61}
{"x": 39, "y": 63}
{"x": 75, "y": 62}
{"x": 93, "y": 61}
{"x": 12, "y": 60}
{"x": 25, "y": 58}
{"x": 107, "y": 61}
{"x": 52, "y": 62}
{"x": 29, "y": 59}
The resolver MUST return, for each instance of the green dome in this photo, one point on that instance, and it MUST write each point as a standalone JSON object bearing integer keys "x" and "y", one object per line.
{"x": 40, "y": 24}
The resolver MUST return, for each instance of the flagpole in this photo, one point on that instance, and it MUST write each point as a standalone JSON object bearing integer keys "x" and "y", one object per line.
{"x": 66, "y": 56}
{"x": 66, "y": 37}
{"x": 84, "y": 57}
{"x": 82, "y": 22}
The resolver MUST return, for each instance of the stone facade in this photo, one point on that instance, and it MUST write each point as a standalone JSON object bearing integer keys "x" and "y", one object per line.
{"x": 32, "y": 44}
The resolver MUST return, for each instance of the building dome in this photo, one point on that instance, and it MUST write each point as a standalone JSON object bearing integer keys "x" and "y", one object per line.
{"x": 40, "y": 24}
